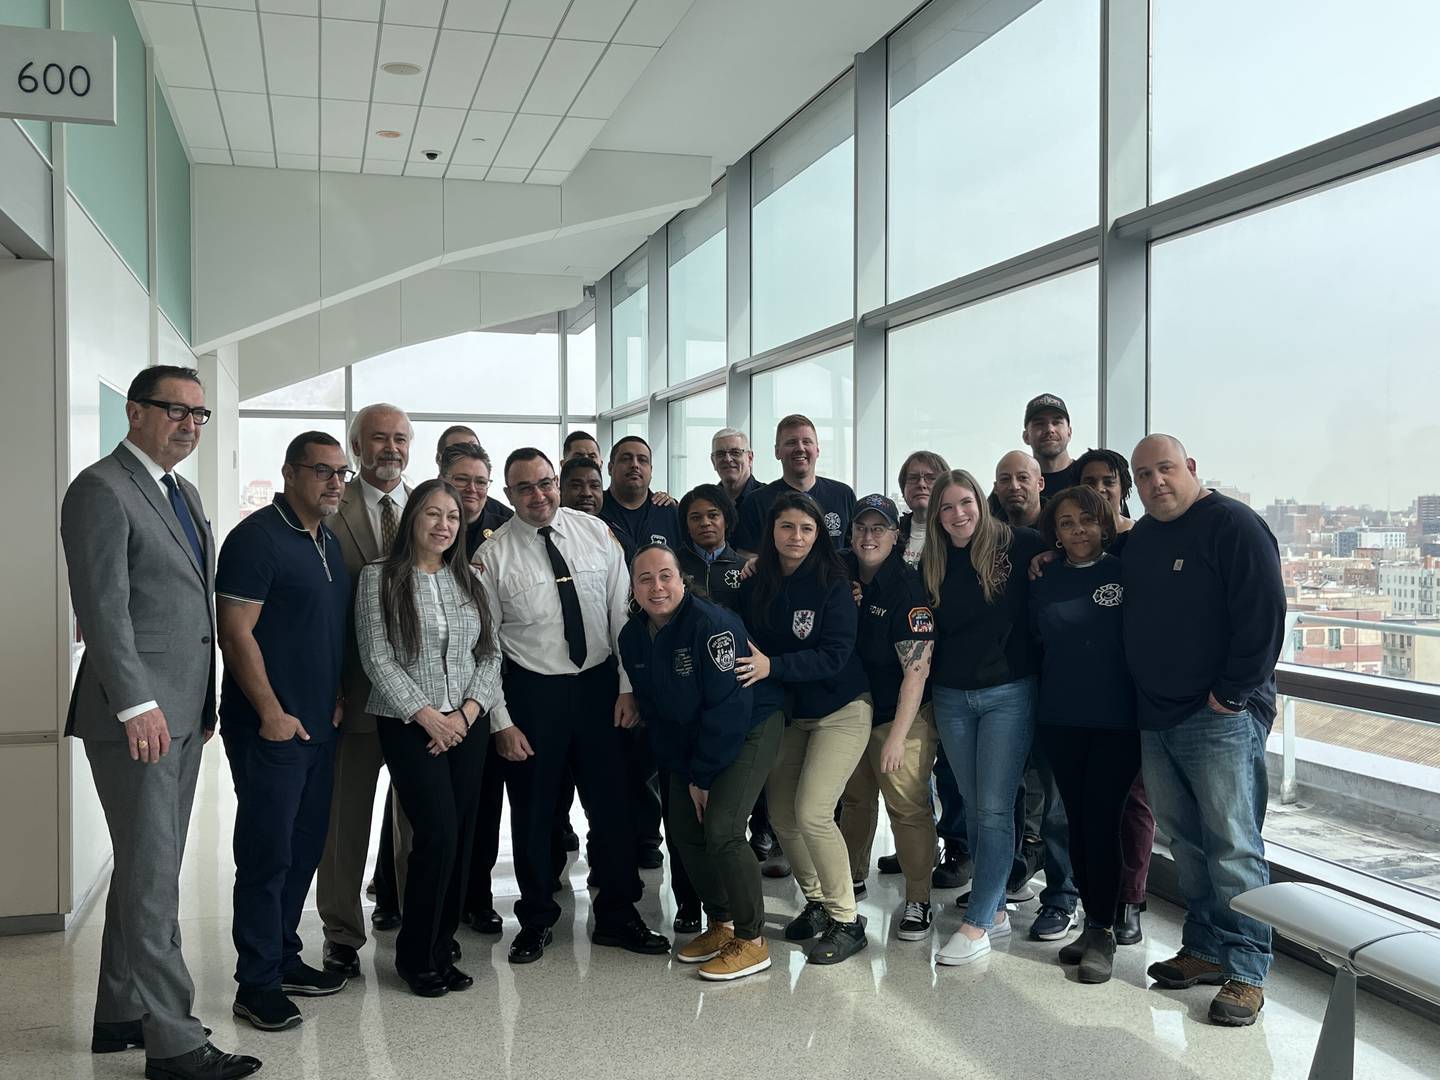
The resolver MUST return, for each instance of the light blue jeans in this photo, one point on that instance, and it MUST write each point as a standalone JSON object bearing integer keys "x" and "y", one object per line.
{"x": 987, "y": 735}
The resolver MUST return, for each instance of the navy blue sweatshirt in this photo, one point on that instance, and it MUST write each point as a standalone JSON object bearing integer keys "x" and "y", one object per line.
{"x": 979, "y": 645}
{"x": 646, "y": 524}
{"x": 893, "y": 608}
{"x": 1076, "y": 614}
{"x": 836, "y": 501}
{"x": 717, "y": 578}
{"x": 809, "y": 634}
{"x": 695, "y": 709}
{"x": 1204, "y": 611}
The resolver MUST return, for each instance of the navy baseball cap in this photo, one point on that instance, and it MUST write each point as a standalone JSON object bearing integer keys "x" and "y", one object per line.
{"x": 881, "y": 505}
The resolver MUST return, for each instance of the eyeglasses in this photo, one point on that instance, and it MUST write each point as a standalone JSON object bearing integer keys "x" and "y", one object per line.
{"x": 731, "y": 455}
{"x": 323, "y": 473}
{"x": 872, "y": 531}
{"x": 177, "y": 411}
{"x": 920, "y": 478}
{"x": 524, "y": 491}
{"x": 463, "y": 482}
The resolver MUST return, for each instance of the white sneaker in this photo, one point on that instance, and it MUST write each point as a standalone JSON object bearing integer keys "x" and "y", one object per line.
{"x": 1001, "y": 928}
{"x": 963, "y": 950}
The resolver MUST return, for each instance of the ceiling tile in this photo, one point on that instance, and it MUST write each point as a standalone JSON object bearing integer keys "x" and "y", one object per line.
{"x": 467, "y": 172}
{"x": 414, "y": 12}
{"x": 232, "y": 39}
{"x": 368, "y": 10}
{"x": 541, "y": 176}
{"x": 198, "y": 114}
{"x": 437, "y": 129}
{"x": 455, "y": 71}
{"x": 540, "y": 18}
{"x": 569, "y": 143}
{"x": 292, "y": 54}
{"x": 650, "y": 22}
{"x": 507, "y": 176}
{"x": 480, "y": 125}
{"x": 342, "y": 127}
{"x": 247, "y": 121}
{"x": 383, "y": 167}
{"x": 340, "y": 164}
{"x": 528, "y": 136}
{"x": 566, "y": 67}
{"x": 347, "y": 58}
{"x": 291, "y": 7}
{"x": 255, "y": 159}
{"x": 297, "y": 124}
{"x": 304, "y": 162}
{"x": 611, "y": 80}
{"x": 513, "y": 63}
{"x": 176, "y": 36}
{"x": 243, "y": 5}
{"x": 424, "y": 168}
{"x": 474, "y": 14}
{"x": 594, "y": 20}
{"x": 385, "y": 116}
{"x": 203, "y": 156}
{"x": 408, "y": 44}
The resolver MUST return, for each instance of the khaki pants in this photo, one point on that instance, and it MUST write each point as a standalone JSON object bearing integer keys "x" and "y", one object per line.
{"x": 815, "y": 762}
{"x": 907, "y": 800}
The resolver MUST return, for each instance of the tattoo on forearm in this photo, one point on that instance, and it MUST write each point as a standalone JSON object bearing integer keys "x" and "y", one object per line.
{"x": 914, "y": 655}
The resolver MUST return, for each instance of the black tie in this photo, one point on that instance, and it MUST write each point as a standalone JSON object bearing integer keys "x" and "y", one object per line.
{"x": 569, "y": 600}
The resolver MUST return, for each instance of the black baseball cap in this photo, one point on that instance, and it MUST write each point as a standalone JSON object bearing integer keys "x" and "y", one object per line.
{"x": 1045, "y": 403}
{"x": 881, "y": 505}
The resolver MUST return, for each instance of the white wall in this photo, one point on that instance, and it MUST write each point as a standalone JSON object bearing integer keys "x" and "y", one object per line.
{"x": 219, "y": 453}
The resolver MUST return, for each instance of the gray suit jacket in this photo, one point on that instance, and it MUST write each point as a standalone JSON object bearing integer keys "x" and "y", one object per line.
{"x": 144, "y": 606}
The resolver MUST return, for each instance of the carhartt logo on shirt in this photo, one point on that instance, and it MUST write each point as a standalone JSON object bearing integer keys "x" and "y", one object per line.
{"x": 1179, "y": 565}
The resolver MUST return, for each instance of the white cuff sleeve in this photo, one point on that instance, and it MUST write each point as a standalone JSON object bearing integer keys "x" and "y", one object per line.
{"x": 500, "y": 719}
{"x": 130, "y": 714}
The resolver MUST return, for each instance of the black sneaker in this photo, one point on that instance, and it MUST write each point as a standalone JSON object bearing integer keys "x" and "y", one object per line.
{"x": 307, "y": 981}
{"x": 915, "y": 923}
{"x": 811, "y": 922}
{"x": 840, "y": 941}
{"x": 858, "y": 884}
{"x": 763, "y": 844}
{"x": 268, "y": 1010}
{"x": 1027, "y": 865}
{"x": 954, "y": 871}
{"x": 1053, "y": 923}
{"x": 889, "y": 864}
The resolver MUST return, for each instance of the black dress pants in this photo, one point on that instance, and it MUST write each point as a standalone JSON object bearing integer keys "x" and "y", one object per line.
{"x": 569, "y": 720}
{"x": 479, "y": 891}
{"x": 642, "y": 787}
{"x": 440, "y": 795}
{"x": 387, "y": 892}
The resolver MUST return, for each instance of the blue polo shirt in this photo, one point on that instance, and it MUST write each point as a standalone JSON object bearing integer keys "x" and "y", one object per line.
{"x": 270, "y": 559}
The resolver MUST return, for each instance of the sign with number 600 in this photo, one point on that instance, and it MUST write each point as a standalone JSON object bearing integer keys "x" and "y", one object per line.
{"x": 60, "y": 75}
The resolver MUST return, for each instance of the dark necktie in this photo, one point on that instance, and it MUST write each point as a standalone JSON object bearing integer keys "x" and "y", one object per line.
{"x": 569, "y": 599}
{"x": 389, "y": 524}
{"x": 187, "y": 523}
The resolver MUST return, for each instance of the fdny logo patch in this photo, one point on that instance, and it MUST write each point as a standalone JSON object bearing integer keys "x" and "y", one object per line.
{"x": 803, "y": 623}
{"x": 878, "y": 612}
{"x": 921, "y": 620}
{"x": 732, "y": 579}
{"x": 722, "y": 650}
{"x": 1111, "y": 595}
{"x": 681, "y": 662}
{"x": 832, "y": 523}
{"x": 656, "y": 538}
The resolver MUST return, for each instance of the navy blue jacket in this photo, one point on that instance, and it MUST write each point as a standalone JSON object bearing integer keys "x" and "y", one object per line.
{"x": 715, "y": 579}
{"x": 836, "y": 500}
{"x": 695, "y": 709}
{"x": 646, "y": 524}
{"x": 809, "y": 634}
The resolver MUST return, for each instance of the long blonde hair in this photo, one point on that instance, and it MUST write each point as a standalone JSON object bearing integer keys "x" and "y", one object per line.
{"x": 989, "y": 544}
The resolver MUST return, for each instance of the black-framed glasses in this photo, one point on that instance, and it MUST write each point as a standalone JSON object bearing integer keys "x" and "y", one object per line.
{"x": 324, "y": 472}
{"x": 479, "y": 483}
{"x": 177, "y": 411}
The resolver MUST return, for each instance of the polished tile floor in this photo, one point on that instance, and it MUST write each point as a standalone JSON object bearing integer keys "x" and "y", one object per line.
{"x": 583, "y": 1012}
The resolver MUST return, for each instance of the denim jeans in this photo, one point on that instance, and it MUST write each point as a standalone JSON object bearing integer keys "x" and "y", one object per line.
{"x": 987, "y": 735}
{"x": 1207, "y": 786}
{"x": 950, "y": 814}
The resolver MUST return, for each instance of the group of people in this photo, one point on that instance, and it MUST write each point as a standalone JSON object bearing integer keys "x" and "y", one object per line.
{"x": 1025, "y": 673}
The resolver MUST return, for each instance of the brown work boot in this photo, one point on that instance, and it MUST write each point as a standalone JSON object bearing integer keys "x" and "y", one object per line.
{"x": 1183, "y": 971}
{"x": 1237, "y": 1004}
{"x": 698, "y": 950}
{"x": 736, "y": 959}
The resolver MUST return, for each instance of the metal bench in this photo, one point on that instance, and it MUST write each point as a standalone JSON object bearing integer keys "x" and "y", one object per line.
{"x": 1357, "y": 939}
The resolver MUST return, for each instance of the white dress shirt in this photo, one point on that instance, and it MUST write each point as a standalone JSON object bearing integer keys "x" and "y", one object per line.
{"x": 525, "y": 602}
{"x": 158, "y": 475}
{"x": 373, "y": 495}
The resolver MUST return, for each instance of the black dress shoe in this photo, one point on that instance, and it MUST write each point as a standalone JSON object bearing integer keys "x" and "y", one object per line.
{"x": 633, "y": 936}
{"x": 203, "y": 1063}
{"x": 529, "y": 944}
{"x": 484, "y": 922}
{"x": 649, "y": 858}
{"x": 428, "y": 984}
{"x": 1127, "y": 924}
{"x": 455, "y": 979}
{"x": 383, "y": 920}
{"x": 687, "y": 921}
{"x": 763, "y": 844}
{"x": 454, "y": 951}
{"x": 111, "y": 1038}
{"x": 342, "y": 959}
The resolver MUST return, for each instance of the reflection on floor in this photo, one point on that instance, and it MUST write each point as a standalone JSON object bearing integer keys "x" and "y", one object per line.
{"x": 583, "y": 1012}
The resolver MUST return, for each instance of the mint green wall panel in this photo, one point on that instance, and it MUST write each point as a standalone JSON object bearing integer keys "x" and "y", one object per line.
{"x": 172, "y": 220}
{"x": 106, "y": 166}
{"x": 29, "y": 13}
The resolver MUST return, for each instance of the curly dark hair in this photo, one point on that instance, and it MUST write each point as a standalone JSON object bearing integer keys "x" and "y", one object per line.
{"x": 1090, "y": 502}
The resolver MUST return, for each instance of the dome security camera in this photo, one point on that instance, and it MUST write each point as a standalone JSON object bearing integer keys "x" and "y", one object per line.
{"x": 432, "y": 155}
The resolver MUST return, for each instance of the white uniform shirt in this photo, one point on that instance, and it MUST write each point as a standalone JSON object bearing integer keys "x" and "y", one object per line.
{"x": 525, "y": 601}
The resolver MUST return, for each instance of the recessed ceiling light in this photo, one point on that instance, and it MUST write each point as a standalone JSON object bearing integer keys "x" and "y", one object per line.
{"x": 386, "y": 133}
{"x": 400, "y": 67}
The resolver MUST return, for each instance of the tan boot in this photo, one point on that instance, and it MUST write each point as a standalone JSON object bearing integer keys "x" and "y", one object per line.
{"x": 737, "y": 959}
{"x": 708, "y": 944}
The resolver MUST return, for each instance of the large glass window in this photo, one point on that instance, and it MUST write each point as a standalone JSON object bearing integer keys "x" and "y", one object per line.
{"x": 498, "y": 439}
{"x": 630, "y": 317}
{"x": 802, "y": 224}
{"x": 693, "y": 421}
{"x": 634, "y": 424}
{"x": 820, "y": 387}
{"x": 1235, "y": 83}
{"x": 580, "y": 365}
{"x": 468, "y": 373}
{"x": 696, "y": 240}
{"x": 325, "y": 392}
{"x": 262, "y": 453}
{"x": 957, "y": 384}
{"x": 994, "y": 135}
{"x": 1294, "y": 352}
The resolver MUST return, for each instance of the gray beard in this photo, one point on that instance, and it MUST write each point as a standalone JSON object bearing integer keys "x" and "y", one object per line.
{"x": 387, "y": 472}
{"x": 326, "y": 510}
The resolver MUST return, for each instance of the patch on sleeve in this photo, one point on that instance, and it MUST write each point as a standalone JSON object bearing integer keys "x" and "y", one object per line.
{"x": 722, "y": 651}
{"x": 922, "y": 620}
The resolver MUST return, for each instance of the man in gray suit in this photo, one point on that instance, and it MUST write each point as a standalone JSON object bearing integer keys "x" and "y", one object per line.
{"x": 141, "y": 564}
